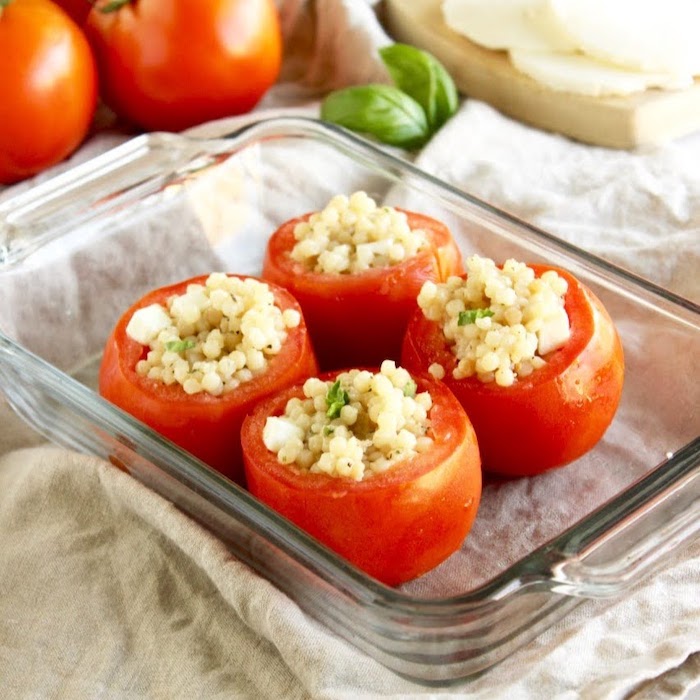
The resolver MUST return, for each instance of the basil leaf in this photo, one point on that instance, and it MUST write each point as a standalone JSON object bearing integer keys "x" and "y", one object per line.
{"x": 179, "y": 345}
{"x": 446, "y": 97}
{"x": 424, "y": 78}
{"x": 470, "y": 315}
{"x": 336, "y": 398}
{"x": 382, "y": 111}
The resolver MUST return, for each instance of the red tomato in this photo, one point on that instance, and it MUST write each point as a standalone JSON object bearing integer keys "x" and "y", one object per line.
{"x": 205, "y": 425}
{"x": 170, "y": 64}
{"x": 394, "y": 526}
{"x": 48, "y": 88}
{"x": 554, "y": 415}
{"x": 360, "y": 319}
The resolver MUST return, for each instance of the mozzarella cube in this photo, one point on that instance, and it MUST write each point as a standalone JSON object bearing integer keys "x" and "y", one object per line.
{"x": 146, "y": 323}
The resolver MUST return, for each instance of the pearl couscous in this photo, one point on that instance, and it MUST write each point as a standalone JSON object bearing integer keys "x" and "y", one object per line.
{"x": 360, "y": 425}
{"x": 500, "y": 322}
{"x": 353, "y": 234}
{"x": 213, "y": 337}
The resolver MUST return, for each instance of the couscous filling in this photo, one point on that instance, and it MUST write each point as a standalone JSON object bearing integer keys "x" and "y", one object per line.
{"x": 357, "y": 426}
{"x": 353, "y": 234}
{"x": 214, "y": 336}
{"x": 500, "y": 322}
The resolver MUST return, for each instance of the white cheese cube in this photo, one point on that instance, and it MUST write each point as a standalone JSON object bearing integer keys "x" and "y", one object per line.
{"x": 279, "y": 431}
{"x": 555, "y": 333}
{"x": 146, "y": 323}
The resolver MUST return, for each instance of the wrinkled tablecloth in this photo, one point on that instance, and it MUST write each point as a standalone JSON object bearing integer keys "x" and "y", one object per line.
{"x": 107, "y": 590}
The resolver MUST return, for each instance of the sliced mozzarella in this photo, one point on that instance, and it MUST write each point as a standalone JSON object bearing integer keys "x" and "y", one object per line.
{"x": 555, "y": 333}
{"x": 646, "y": 35}
{"x": 505, "y": 24}
{"x": 146, "y": 323}
{"x": 587, "y": 76}
{"x": 279, "y": 431}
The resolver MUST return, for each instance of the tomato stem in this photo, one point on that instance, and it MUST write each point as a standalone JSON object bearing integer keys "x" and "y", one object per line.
{"x": 111, "y": 6}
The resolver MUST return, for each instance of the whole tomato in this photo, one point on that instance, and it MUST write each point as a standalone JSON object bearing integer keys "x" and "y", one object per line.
{"x": 170, "y": 64}
{"x": 48, "y": 87}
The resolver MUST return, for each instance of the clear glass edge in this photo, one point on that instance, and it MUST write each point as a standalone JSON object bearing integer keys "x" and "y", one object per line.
{"x": 558, "y": 566}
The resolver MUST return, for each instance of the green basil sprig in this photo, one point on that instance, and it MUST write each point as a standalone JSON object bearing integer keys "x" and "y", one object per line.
{"x": 469, "y": 316}
{"x": 405, "y": 114}
{"x": 179, "y": 345}
{"x": 336, "y": 398}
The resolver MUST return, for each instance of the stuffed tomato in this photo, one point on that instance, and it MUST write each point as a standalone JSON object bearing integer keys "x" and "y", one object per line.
{"x": 381, "y": 467}
{"x": 356, "y": 270}
{"x": 531, "y": 354}
{"x": 191, "y": 359}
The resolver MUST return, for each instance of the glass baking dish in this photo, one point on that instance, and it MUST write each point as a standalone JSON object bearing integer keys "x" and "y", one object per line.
{"x": 78, "y": 249}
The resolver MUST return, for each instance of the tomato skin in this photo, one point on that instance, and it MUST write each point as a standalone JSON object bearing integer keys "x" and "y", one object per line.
{"x": 170, "y": 64}
{"x": 553, "y": 416}
{"x": 394, "y": 526}
{"x": 207, "y": 426}
{"x": 360, "y": 319}
{"x": 48, "y": 88}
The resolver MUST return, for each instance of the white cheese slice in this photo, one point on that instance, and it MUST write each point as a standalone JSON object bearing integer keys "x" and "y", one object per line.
{"x": 146, "y": 323}
{"x": 278, "y": 431}
{"x": 646, "y": 35}
{"x": 554, "y": 333}
{"x": 505, "y": 24}
{"x": 587, "y": 76}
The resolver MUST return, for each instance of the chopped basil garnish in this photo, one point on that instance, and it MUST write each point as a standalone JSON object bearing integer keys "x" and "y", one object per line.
{"x": 470, "y": 315}
{"x": 336, "y": 398}
{"x": 409, "y": 388}
{"x": 179, "y": 345}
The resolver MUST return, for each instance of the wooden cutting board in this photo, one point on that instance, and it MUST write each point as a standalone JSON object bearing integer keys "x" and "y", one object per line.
{"x": 650, "y": 117}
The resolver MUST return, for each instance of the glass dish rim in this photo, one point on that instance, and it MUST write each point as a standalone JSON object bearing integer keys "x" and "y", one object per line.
{"x": 539, "y": 568}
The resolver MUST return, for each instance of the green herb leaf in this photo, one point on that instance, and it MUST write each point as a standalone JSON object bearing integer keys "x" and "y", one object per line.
{"x": 336, "y": 398}
{"x": 328, "y": 429}
{"x": 420, "y": 75}
{"x": 470, "y": 315}
{"x": 179, "y": 345}
{"x": 382, "y": 111}
{"x": 409, "y": 388}
{"x": 113, "y": 6}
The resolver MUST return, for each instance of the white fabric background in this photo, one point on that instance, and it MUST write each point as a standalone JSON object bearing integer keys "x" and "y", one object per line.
{"x": 108, "y": 591}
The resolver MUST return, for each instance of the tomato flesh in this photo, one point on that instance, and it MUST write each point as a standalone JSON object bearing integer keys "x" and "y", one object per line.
{"x": 360, "y": 319}
{"x": 205, "y": 425}
{"x": 554, "y": 415}
{"x": 394, "y": 526}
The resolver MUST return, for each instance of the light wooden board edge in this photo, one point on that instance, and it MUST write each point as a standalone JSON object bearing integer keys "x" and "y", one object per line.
{"x": 648, "y": 118}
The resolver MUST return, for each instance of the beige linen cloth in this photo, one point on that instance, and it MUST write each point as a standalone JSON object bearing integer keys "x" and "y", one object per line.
{"x": 107, "y": 591}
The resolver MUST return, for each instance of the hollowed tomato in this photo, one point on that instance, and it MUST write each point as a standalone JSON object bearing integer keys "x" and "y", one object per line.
{"x": 205, "y": 425}
{"x": 360, "y": 319}
{"x": 554, "y": 415}
{"x": 394, "y": 526}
